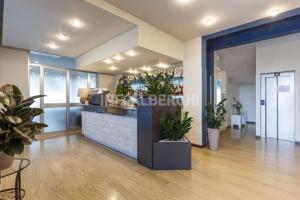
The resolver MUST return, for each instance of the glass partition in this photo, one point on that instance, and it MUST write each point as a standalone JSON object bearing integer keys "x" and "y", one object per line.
{"x": 77, "y": 80}
{"x": 62, "y": 109}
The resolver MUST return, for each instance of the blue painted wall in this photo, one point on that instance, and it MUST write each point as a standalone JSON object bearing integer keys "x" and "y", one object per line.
{"x": 52, "y": 60}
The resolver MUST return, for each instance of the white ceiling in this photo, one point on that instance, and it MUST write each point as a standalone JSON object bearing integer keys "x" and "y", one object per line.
{"x": 239, "y": 63}
{"x": 184, "y": 21}
{"x": 31, "y": 24}
{"x": 144, "y": 57}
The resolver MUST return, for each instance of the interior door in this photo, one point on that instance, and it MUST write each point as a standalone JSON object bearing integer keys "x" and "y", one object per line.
{"x": 286, "y": 107}
{"x": 271, "y": 107}
{"x": 278, "y": 106}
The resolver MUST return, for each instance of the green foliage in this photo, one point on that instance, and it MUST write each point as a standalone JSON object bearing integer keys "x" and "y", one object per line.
{"x": 215, "y": 116}
{"x": 159, "y": 84}
{"x": 123, "y": 88}
{"x": 16, "y": 126}
{"x": 174, "y": 128}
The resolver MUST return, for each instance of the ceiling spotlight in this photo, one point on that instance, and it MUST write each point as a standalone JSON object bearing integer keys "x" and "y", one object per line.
{"x": 108, "y": 61}
{"x": 63, "y": 36}
{"x": 131, "y": 53}
{"x": 118, "y": 57}
{"x": 184, "y": 2}
{"x": 130, "y": 71}
{"x": 147, "y": 69}
{"x": 52, "y": 45}
{"x": 274, "y": 12}
{"x": 162, "y": 65}
{"x": 209, "y": 21}
{"x": 113, "y": 68}
{"x": 76, "y": 23}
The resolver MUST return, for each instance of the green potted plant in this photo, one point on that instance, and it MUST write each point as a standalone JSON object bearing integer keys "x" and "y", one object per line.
{"x": 17, "y": 127}
{"x": 215, "y": 116}
{"x": 174, "y": 151}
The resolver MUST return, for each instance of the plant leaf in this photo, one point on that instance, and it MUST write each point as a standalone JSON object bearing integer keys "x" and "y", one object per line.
{"x": 35, "y": 97}
{"x": 21, "y": 133}
{"x": 16, "y": 146}
{"x": 14, "y": 119}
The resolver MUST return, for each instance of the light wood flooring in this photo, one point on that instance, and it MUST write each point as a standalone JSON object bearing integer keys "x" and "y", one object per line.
{"x": 73, "y": 168}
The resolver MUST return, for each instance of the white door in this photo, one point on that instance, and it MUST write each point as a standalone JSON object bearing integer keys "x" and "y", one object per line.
{"x": 271, "y": 107}
{"x": 277, "y": 106}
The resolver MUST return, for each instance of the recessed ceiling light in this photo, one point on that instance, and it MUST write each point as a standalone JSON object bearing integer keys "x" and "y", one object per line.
{"x": 147, "y": 69}
{"x": 131, "y": 53}
{"x": 113, "y": 68}
{"x": 184, "y": 2}
{"x": 63, "y": 36}
{"x": 131, "y": 71}
{"x": 274, "y": 12}
{"x": 108, "y": 61}
{"x": 76, "y": 23}
{"x": 118, "y": 57}
{"x": 209, "y": 21}
{"x": 162, "y": 65}
{"x": 52, "y": 45}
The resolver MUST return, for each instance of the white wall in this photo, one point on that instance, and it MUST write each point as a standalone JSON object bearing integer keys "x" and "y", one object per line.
{"x": 192, "y": 73}
{"x": 247, "y": 99}
{"x": 275, "y": 55}
{"x": 121, "y": 43}
{"x": 149, "y": 37}
{"x": 106, "y": 81}
{"x": 14, "y": 68}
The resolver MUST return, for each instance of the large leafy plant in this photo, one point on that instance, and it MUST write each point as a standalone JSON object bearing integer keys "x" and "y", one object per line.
{"x": 123, "y": 88}
{"x": 215, "y": 116}
{"x": 17, "y": 127}
{"x": 174, "y": 128}
{"x": 159, "y": 84}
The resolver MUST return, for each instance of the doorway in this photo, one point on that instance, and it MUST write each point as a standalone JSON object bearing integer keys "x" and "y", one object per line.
{"x": 278, "y": 106}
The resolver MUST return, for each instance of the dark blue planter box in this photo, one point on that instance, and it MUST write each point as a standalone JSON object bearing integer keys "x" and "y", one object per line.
{"x": 172, "y": 155}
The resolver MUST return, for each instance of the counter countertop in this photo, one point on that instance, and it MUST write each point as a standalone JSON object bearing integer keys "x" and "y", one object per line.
{"x": 127, "y": 112}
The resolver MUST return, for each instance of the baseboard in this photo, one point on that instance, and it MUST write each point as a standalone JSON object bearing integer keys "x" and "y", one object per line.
{"x": 199, "y": 146}
{"x": 251, "y": 122}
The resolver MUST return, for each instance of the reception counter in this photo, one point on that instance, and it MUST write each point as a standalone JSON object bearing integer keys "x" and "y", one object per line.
{"x": 113, "y": 127}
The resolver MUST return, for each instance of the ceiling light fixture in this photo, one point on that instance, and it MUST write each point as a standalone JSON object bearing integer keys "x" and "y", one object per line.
{"x": 118, "y": 57}
{"x": 147, "y": 69}
{"x": 52, "y": 45}
{"x": 131, "y": 71}
{"x": 63, "y": 36}
{"x": 113, "y": 68}
{"x": 274, "y": 12}
{"x": 184, "y": 2}
{"x": 208, "y": 21}
{"x": 131, "y": 53}
{"x": 162, "y": 65}
{"x": 76, "y": 23}
{"x": 108, "y": 61}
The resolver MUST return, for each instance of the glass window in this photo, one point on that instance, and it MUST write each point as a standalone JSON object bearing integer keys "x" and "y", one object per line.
{"x": 219, "y": 91}
{"x": 55, "y": 86}
{"x": 75, "y": 117}
{"x": 93, "y": 79}
{"x": 77, "y": 80}
{"x": 55, "y": 118}
{"x": 34, "y": 74}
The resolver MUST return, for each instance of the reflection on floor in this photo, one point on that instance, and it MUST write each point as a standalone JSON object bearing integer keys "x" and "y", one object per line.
{"x": 71, "y": 168}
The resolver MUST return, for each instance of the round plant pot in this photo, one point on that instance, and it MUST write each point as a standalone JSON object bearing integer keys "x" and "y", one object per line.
{"x": 5, "y": 161}
{"x": 213, "y": 138}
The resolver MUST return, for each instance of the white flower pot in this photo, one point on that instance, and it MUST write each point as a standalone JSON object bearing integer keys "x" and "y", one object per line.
{"x": 213, "y": 138}
{"x": 5, "y": 161}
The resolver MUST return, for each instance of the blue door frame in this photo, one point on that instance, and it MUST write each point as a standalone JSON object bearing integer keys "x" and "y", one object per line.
{"x": 263, "y": 29}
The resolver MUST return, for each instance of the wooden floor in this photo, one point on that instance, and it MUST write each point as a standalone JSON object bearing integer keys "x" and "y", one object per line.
{"x": 73, "y": 168}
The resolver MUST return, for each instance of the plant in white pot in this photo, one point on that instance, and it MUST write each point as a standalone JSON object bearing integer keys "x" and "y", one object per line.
{"x": 17, "y": 127}
{"x": 214, "y": 118}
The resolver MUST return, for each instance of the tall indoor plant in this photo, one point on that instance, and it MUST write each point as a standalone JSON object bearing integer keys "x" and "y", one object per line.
{"x": 214, "y": 118}
{"x": 17, "y": 127}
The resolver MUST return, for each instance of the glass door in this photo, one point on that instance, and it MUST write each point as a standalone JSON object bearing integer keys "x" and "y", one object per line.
{"x": 55, "y": 102}
{"x": 62, "y": 109}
